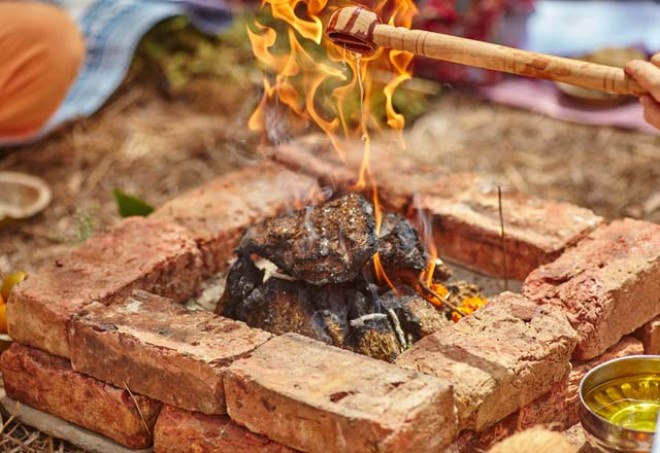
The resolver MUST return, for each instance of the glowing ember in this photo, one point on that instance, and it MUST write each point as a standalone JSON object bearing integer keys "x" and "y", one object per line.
{"x": 468, "y": 306}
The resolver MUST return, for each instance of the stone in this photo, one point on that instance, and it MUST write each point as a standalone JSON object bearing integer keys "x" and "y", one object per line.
{"x": 219, "y": 212}
{"x": 160, "y": 349}
{"x": 608, "y": 285}
{"x": 318, "y": 398}
{"x": 466, "y": 225}
{"x": 498, "y": 359}
{"x": 180, "y": 431}
{"x": 649, "y": 334}
{"x": 137, "y": 253}
{"x": 48, "y": 383}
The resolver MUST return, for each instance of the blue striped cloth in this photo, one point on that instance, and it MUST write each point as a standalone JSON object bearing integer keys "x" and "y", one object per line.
{"x": 112, "y": 30}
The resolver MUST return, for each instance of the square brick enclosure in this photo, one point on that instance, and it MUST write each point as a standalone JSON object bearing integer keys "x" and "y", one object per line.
{"x": 103, "y": 339}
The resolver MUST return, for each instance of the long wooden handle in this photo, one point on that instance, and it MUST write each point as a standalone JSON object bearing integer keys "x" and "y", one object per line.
{"x": 506, "y": 59}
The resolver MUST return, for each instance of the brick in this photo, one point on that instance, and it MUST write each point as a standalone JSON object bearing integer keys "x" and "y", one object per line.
{"x": 137, "y": 253}
{"x": 219, "y": 212}
{"x": 562, "y": 403}
{"x": 609, "y": 285}
{"x": 180, "y": 431}
{"x": 160, "y": 349}
{"x": 318, "y": 398}
{"x": 466, "y": 225}
{"x": 558, "y": 408}
{"x": 314, "y": 156}
{"x": 399, "y": 179}
{"x": 498, "y": 359}
{"x": 649, "y": 334}
{"x": 48, "y": 383}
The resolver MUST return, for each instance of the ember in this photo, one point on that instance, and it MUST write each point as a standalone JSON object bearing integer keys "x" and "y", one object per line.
{"x": 324, "y": 286}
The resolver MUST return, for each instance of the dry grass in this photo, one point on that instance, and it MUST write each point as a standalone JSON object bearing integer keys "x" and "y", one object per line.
{"x": 614, "y": 172}
{"x": 18, "y": 438}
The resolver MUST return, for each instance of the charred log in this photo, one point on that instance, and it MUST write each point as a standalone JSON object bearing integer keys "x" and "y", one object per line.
{"x": 325, "y": 244}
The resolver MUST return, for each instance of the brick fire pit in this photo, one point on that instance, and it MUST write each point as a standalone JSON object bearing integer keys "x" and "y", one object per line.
{"x": 102, "y": 340}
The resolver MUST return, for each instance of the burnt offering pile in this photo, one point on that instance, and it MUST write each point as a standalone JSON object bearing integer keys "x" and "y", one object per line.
{"x": 338, "y": 279}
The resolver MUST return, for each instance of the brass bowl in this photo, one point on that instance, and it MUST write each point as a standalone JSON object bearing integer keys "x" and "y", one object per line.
{"x": 619, "y": 401}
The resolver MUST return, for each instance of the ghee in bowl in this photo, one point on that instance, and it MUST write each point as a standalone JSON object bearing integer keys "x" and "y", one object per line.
{"x": 631, "y": 402}
{"x": 620, "y": 400}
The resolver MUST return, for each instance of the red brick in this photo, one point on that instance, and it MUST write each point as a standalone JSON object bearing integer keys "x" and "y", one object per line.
{"x": 318, "y": 398}
{"x": 399, "y": 179}
{"x": 649, "y": 334}
{"x": 314, "y": 156}
{"x": 562, "y": 404}
{"x": 219, "y": 212}
{"x": 137, "y": 253}
{"x": 160, "y": 349}
{"x": 48, "y": 383}
{"x": 466, "y": 225}
{"x": 609, "y": 285}
{"x": 498, "y": 359}
{"x": 557, "y": 408}
{"x": 179, "y": 431}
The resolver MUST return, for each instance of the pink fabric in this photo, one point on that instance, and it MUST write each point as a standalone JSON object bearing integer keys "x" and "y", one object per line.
{"x": 545, "y": 98}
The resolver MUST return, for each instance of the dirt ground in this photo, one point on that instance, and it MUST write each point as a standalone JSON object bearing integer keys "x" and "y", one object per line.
{"x": 156, "y": 144}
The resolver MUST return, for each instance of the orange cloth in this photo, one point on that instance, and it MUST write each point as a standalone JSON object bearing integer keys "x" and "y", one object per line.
{"x": 41, "y": 50}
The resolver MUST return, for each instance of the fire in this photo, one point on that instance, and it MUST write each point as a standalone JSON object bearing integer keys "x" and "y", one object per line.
{"x": 439, "y": 293}
{"x": 321, "y": 82}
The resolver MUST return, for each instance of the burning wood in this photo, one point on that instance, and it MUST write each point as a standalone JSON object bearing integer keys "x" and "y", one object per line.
{"x": 323, "y": 287}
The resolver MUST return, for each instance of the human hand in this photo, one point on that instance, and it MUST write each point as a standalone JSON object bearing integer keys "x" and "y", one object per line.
{"x": 647, "y": 74}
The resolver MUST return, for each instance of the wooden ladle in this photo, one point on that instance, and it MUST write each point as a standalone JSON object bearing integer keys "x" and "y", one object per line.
{"x": 359, "y": 30}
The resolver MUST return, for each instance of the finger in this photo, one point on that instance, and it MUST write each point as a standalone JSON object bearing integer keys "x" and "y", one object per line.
{"x": 655, "y": 59}
{"x": 647, "y": 75}
{"x": 652, "y": 113}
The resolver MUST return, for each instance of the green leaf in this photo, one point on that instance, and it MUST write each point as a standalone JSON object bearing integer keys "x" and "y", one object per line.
{"x": 130, "y": 205}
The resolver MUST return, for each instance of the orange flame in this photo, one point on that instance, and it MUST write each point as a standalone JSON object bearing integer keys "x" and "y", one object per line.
{"x": 318, "y": 81}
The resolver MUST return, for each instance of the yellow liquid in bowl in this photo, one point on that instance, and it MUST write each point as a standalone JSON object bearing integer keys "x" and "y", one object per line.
{"x": 631, "y": 402}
